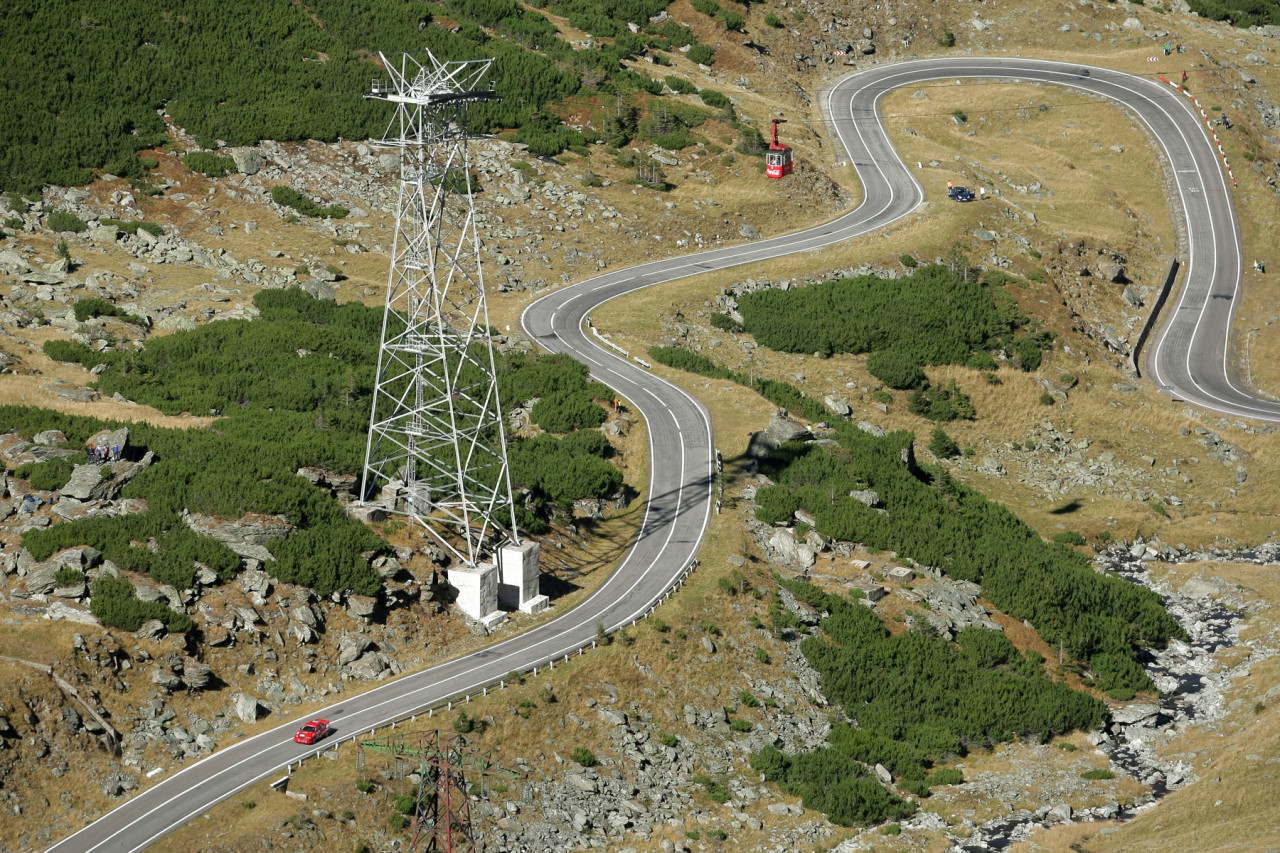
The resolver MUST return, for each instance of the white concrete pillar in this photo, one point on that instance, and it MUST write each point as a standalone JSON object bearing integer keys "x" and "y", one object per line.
{"x": 518, "y": 586}
{"x": 477, "y": 588}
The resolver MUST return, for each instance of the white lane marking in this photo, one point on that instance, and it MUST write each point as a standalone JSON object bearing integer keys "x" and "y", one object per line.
{"x": 825, "y": 232}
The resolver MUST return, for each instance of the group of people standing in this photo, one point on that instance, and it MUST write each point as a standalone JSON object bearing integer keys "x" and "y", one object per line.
{"x": 102, "y": 453}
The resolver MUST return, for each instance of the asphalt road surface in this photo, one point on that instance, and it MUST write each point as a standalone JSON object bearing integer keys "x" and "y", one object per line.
{"x": 1188, "y": 358}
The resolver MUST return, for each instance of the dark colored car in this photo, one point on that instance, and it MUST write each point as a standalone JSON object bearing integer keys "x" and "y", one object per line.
{"x": 312, "y": 732}
{"x": 960, "y": 194}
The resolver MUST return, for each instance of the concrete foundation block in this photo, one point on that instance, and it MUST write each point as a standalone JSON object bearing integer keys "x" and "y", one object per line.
{"x": 537, "y": 604}
{"x": 493, "y": 620}
{"x": 477, "y": 588}
{"x": 518, "y": 581}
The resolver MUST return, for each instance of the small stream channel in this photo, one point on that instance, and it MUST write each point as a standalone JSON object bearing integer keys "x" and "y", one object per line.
{"x": 1190, "y": 682}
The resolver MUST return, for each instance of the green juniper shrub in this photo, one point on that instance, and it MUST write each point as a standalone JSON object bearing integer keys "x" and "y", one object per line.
{"x": 701, "y": 54}
{"x": 209, "y": 164}
{"x": 61, "y": 220}
{"x": 941, "y": 445}
{"x": 938, "y": 403}
{"x": 896, "y": 368}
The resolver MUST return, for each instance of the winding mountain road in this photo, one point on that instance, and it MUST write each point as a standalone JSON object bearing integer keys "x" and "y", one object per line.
{"x": 1188, "y": 358}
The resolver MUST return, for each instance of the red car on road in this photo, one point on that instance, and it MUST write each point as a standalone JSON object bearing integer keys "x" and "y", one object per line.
{"x": 312, "y": 732}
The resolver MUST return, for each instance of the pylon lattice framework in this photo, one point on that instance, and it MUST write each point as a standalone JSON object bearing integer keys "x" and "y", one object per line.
{"x": 442, "y": 806}
{"x": 437, "y": 447}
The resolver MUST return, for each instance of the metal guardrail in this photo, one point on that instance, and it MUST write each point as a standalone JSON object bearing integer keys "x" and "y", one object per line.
{"x": 482, "y": 690}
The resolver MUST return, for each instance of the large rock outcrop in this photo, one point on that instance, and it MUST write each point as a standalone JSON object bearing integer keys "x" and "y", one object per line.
{"x": 247, "y": 535}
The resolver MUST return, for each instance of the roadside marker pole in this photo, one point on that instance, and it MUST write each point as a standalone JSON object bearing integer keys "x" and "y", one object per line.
{"x": 1208, "y": 123}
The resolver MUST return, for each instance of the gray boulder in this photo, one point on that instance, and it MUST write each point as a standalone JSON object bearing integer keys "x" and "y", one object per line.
{"x": 1135, "y": 714}
{"x": 149, "y": 630}
{"x": 838, "y": 405}
{"x": 247, "y": 536}
{"x": 248, "y": 160}
{"x": 12, "y": 262}
{"x": 50, "y": 438}
{"x": 196, "y": 675}
{"x": 42, "y": 581}
{"x": 87, "y": 483}
{"x": 351, "y": 647}
{"x": 867, "y": 496}
{"x": 362, "y": 606}
{"x": 245, "y": 707}
{"x": 791, "y": 552}
{"x": 781, "y": 430}
{"x": 166, "y": 681}
{"x": 320, "y": 289}
{"x": 368, "y": 667}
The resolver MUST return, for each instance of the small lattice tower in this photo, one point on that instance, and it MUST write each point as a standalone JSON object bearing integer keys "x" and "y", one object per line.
{"x": 437, "y": 447}
{"x": 442, "y": 805}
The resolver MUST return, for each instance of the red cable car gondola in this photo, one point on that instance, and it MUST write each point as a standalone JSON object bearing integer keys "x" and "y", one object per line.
{"x": 777, "y": 160}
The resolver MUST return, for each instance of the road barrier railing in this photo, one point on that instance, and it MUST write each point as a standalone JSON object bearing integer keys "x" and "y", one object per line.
{"x": 448, "y": 704}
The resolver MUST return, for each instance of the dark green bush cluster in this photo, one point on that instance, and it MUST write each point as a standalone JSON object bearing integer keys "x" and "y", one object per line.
{"x": 938, "y": 403}
{"x": 916, "y": 699}
{"x": 680, "y": 86}
{"x": 701, "y": 54}
{"x": 73, "y": 353}
{"x": 1241, "y": 13}
{"x": 725, "y": 323}
{"x": 286, "y": 196}
{"x": 174, "y": 561}
{"x": 116, "y": 603}
{"x": 567, "y": 393}
{"x": 946, "y": 776}
{"x": 209, "y": 164}
{"x": 281, "y": 412}
{"x": 896, "y": 368}
{"x": 936, "y": 521}
{"x": 931, "y": 316}
{"x": 61, "y": 220}
{"x": 565, "y": 411}
{"x": 712, "y": 98}
{"x": 134, "y": 227}
{"x": 49, "y": 476}
{"x": 833, "y": 783}
{"x": 563, "y": 470}
{"x": 68, "y": 120}
{"x": 941, "y": 445}
{"x": 92, "y": 307}
{"x": 68, "y": 576}
{"x": 583, "y": 756}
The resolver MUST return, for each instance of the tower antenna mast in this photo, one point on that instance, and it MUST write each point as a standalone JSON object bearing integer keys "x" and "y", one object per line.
{"x": 436, "y": 450}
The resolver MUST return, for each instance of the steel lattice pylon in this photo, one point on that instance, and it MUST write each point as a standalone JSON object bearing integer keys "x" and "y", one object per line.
{"x": 442, "y": 810}
{"x": 437, "y": 447}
